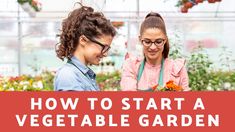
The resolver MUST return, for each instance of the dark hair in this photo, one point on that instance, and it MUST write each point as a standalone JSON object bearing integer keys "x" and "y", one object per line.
{"x": 154, "y": 20}
{"x": 81, "y": 21}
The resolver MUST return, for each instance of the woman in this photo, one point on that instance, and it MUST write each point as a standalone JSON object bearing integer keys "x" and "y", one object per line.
{"x": 85, "y": 39}
{"x": 155, "y": 69}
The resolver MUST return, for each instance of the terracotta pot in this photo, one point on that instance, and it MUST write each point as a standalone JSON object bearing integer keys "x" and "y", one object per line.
{"x": 198, "y": 1}
{"x": 211, "y": 1}
{"x": 188, "y": 5}
{"x": 184, "y": 9}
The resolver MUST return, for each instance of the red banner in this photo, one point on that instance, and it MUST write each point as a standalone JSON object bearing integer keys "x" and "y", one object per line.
{"x": 110, "y": 111}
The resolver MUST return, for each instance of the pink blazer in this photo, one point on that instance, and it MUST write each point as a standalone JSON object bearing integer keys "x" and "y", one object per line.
{"x": 173, "y": 70}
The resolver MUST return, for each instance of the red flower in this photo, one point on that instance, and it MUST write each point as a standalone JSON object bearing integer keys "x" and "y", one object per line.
{"x": 173, "y": 87}
{"x": 15, "y": 79}
{"x": 170, "y": 86}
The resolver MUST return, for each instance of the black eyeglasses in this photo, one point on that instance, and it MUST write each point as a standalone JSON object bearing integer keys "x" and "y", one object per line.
{"x": 105, "y": 47}
{"x": 157, "y": 42}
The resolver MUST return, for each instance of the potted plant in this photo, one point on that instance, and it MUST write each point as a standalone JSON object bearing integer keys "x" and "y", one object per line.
{"x": 30, "y": 6}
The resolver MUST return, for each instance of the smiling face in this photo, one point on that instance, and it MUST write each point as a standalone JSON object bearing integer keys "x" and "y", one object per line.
{"x": 94, "y": 52}
{"x": 153, "y": 41}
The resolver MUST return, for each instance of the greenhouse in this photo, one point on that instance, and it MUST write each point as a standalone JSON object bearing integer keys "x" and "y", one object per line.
{"x": 200, "y": 31}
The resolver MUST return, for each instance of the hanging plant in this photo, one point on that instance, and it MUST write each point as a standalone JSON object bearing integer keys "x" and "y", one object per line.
{"x": 185, "y": 5}
{"x": 117, "y": 24}
{"x": 213, "y": 1}
{"x": 30, "y": 6}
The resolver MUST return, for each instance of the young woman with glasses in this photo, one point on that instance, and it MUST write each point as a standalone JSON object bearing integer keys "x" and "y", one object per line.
{"x": 85, "y": 39}
{"x": 155, "y": 68}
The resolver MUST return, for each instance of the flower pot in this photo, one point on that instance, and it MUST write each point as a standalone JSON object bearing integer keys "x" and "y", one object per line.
{"x": 184, "y": 9}
{"x": 28, "y": 8}
{"x": 198, "y": 1}
{"x": 211, "y": 1}
{"x": 188, "y": 5}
